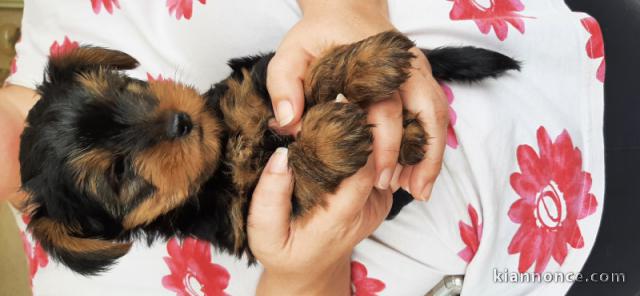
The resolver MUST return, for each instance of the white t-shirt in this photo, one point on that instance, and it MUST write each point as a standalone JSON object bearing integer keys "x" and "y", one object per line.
{"x": 521, "y": 189}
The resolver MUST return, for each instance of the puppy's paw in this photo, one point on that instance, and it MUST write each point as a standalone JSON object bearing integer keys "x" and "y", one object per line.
{"x": 334, "y": 142}
{"x": 365, "y": 71}
{"x": 413, "y": 140}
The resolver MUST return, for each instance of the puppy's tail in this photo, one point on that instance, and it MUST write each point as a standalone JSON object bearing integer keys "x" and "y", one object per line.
{"x": 468, "y": 63}
{"x": 86, "y": 256}
{"x": 63, "y": 66}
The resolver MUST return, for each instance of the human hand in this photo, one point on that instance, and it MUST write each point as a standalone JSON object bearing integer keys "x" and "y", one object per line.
{"x": 327, "y": 23}
{"x": 311, "y": 255}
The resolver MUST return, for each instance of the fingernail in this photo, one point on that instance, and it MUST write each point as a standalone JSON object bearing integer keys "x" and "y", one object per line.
{"x": 426, "y": 193}
{"x": 384, "y": 179}
{"x": 278, "y": 163}
{"x": 395, "y": 177}
{"x": 284, "y": 112}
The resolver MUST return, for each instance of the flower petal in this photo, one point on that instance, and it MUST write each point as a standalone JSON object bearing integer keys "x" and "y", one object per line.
{"x": 468, "y": 236}
{"x": 371, "y": 285}
{"x": 519, "y": 239}
{"x": 575, "y": 240}
{"x": 600, "y": 75}
{"x": 544, "y": 253}
{"x": 520, "y": 211}
{"x": 529, "y": 253}
{"x": 358, "y": 271}
{"x": 559, "y": 251}
{"x": 466, "y": 254}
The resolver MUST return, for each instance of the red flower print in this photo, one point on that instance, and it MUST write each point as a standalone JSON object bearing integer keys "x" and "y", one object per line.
{"x": 158, "y": 78}
{"x": 471, "y": 235}
{"x": 192, "y": 272}
{"x": 61, "y": 49}
{"x": 554, "y": 194}
{"x": 182, "y": 7}
{"x": 13, "y": 68}
{"x": 452, "y": 139}
{"x": 36, "y": 256}
{"x": 595, "y": 45}
{"x": 108, "y": 5}
{"x": 497, "y": 15}
{"x": 362, "y": 285}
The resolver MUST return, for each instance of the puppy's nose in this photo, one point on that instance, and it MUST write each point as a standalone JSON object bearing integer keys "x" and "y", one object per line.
{"x": 180, "y": 125}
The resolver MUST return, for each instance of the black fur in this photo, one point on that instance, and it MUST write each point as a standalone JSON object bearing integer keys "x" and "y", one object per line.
{"x": 468, "y": 63}
{"x": 68, "y": 118}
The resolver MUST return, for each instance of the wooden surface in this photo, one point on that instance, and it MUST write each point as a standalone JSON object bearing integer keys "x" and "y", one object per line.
{"x": 14, "y": 280}
{"x": 10, "y": 16}
{"x": 11, "y": 3}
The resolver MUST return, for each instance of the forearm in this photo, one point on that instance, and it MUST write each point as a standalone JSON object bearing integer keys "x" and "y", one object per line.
{"x": 345, "y": 7}
{"x": 334, "y": 281}
{"x": 15, "y": 103}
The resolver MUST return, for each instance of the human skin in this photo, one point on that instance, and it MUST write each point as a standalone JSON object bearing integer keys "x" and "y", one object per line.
{"x": 312, "y": 256}
{"x": 331, "y": 22}
{"x": 15, "y": 103}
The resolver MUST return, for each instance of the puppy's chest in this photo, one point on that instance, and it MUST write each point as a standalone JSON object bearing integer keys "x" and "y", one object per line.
{"x": 250, "y": 142}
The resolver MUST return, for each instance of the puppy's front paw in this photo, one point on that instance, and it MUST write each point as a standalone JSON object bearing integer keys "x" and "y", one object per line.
{"x": 414, "y": 138}
{"x": 365, "y": 71}
{"x": 335, "y": 141}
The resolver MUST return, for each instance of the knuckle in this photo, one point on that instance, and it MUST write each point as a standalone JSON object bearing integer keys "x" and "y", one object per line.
{"x": 389, "y": 109}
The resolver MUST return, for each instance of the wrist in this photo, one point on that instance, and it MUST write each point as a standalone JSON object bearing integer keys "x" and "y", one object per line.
{"x": 334, "y": 280}
{"x": 373, "y": 8}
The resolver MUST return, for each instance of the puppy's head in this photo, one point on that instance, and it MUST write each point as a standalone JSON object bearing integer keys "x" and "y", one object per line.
{"x": 103, "y": 154}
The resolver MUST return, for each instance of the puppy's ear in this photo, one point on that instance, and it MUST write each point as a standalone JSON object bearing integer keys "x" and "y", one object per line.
{"x": 84, "y": 58}
{"x": 87, "y": 256}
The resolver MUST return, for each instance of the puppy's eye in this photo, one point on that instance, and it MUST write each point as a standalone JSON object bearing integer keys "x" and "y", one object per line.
{"x": 118, "y": 170}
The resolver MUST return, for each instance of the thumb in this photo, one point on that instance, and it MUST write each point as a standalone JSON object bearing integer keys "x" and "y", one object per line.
{"x": 268, "y": 220}
{"x": 285, "y": 75}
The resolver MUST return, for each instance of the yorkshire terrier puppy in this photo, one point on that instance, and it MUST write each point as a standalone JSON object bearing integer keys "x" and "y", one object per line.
{"x": 106, "y": 158}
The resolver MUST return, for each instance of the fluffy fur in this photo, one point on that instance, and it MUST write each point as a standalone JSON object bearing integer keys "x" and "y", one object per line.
{"x": 106, "y": 158}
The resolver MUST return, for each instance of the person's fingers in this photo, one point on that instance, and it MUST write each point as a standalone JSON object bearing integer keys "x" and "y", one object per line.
{"x": 386, "y": 116}
{"x": 395, "y": 179}
{"x": 405, "y": 177}
{"x": 422, "y": 94}
{"x": 270, "y": 208}
{"x": 285, "y": 75}
{"x": 353, "y": 192}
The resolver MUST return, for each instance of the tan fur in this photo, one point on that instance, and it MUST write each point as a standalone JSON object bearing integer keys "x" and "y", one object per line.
{"x": 176, "y": 168}
{"x": 414, "y": 138}
{"x": 88, "y": 167}
{"x": 93, "y": 56}
{"x": 60, "y": 236}
{"x": 365, "y": 71}
{"x": 95, "y": 82}
{"x": 237, "y": 222}
{"x": 246, "y": 116}
{"x": 335, "y": 141}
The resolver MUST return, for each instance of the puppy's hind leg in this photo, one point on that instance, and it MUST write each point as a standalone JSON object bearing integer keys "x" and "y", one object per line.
{"x": 334, "y": 142}
{"x": 365, "y": 71}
